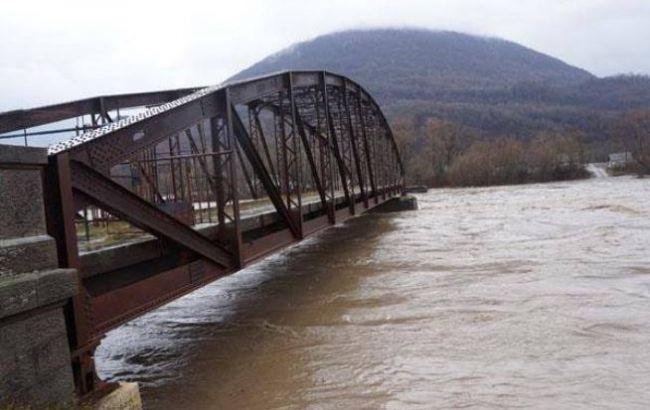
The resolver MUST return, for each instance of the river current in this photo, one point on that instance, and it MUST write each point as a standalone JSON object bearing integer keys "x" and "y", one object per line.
{"x": 520, "y": 296}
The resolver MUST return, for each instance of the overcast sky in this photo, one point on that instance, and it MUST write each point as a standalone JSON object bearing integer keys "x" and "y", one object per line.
{"x": 53, "y": 51}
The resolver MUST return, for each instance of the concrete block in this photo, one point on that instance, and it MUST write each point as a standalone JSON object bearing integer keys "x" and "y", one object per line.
{"x": 17, "y": 380}
{"x": 55, "y": 390}
{"x": 35, "y": 369}
{"x": 15, "y": 154}
{"x": 25, "y": 334}
{"x": 51, "y": 355}
{"x": 28, "y": 291}
{"x": 35, "y": 361}
{"x": 12, "y": 336}
{"x": 17, "y": 294}
{"x": 47, "y": 325}
{"x": 21, "y": 201}
{"x": 21, "y": 255}
{"x": 56, "y": 285}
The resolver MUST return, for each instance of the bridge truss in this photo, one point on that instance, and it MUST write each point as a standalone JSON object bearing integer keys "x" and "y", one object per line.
{"x": 205, "y": 181}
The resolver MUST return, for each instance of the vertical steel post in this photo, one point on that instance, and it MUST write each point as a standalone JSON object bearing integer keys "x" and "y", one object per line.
{"x": 219, "y": 180}
{"x": 312, "y": 166}
{"x": 337, "y": 152}
{"x": 60, "y": 214}
{"x": 295, "y": 152}
{"x": 353, "y": 144}
{"x": 364, "y": 131}
{"x": 236, "y": 237}
{"x": 329, "y": 175}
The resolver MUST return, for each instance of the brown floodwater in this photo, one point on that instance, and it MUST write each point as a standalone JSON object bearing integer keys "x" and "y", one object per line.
{"x": 521, "y": 296}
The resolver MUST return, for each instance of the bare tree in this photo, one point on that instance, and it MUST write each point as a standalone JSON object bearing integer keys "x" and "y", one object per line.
{"x": 414, "y": 150}
{"x": 634, "y": 129}
{"x": 447, "y": 140}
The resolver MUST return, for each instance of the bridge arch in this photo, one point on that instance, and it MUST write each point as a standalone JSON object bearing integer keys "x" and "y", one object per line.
{"x": 212, "y": 178}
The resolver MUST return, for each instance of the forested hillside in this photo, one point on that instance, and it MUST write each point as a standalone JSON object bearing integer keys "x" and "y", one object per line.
{"x": 491, "y": 88}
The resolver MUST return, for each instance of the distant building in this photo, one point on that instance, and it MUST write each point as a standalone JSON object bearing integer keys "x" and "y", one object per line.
{"x": 618, "y": 159}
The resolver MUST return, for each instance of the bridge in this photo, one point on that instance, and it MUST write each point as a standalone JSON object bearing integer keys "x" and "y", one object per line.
{"x": 157, "y": 194}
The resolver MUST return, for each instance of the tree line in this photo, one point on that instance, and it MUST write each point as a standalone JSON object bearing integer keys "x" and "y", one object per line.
{"x": 439, "y": 152}
{"x": 443, "y": 153}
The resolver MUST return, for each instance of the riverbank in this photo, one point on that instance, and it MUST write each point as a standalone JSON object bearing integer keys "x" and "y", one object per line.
{"x": 523, "y": 179}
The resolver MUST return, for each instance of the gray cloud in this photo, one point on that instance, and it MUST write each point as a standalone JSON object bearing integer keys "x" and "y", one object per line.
{"x": 52, "y": 53}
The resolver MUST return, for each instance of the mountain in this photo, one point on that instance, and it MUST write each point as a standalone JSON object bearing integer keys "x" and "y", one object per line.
{"x": 408, "y": 63}
{"x": 493, "y": 86}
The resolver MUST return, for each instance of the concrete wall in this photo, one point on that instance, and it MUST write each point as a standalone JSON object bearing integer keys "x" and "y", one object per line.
{"x": 34, "y": 354}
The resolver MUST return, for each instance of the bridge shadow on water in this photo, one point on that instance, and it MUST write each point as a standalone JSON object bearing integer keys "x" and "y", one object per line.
{"x": 261, "y": 323}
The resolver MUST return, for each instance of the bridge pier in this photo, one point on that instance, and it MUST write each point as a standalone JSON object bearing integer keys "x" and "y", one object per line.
{"x": 34, "y": 351}
{"x": 397, "y": 204}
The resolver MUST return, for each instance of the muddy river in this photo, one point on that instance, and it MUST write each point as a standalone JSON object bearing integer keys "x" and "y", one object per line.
{"x": 534, "y": 295}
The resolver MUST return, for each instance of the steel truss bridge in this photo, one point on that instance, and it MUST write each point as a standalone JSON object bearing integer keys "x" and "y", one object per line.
{"x": 209, "y": 179}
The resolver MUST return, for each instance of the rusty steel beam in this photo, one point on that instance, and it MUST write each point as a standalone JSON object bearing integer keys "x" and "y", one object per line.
{"x": 230, "y": 143}
{"x": 312, "y": 166}
{"x": 218, "y": 163}
{"x": 22, "y": 119}
{"x": 291, "y": 147}
{"x": 60, "y": 213}
{"x": 364, "y": 135}
{"x": 132, "y": 137}
{"x": 202, "y": 163}
{"x": 258, "y": 166}
{"x": 353, "y": 142}
{"x": 121, "y": 202}
{"x": 337, "y": 151}
{"x": 151, "y": 183}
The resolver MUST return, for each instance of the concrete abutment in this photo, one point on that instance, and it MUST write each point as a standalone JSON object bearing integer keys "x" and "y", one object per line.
{"x": 35, "y": 365}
